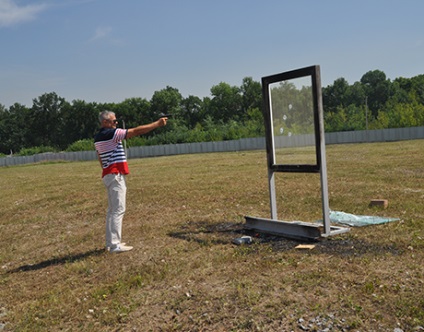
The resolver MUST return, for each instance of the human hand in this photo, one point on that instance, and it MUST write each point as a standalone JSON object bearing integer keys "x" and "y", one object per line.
{"x": 162, "y": 121}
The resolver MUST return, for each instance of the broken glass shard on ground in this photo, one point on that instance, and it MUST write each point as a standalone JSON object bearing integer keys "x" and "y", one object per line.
{"x": 355, "y": 220}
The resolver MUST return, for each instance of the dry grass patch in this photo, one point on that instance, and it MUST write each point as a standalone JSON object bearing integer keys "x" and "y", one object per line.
{"x": 184, "y": 274}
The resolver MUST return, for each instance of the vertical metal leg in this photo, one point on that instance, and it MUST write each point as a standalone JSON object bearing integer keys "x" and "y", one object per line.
{"x": 272, "y": 195}
{"x": 324, "y": 189}
{"x": 325, "y": 204}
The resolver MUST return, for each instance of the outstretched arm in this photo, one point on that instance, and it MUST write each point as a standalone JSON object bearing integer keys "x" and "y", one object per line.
{"x": 144, "y": 129}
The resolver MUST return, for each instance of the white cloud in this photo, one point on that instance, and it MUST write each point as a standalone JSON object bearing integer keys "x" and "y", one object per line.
{"x": 104, "y": 34}
{"x": 12, "y": 14}
{"x": 101, "y": 32}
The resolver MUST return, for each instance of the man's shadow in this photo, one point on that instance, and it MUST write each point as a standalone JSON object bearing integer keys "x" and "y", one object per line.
{"x": 58, "y": 261}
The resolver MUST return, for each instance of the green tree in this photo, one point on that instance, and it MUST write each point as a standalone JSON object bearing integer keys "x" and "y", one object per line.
{"x": 355, "y": 118}
{"x": 400, "y": 91}
{"x": 336, "y": 95}
{"x": 46, "y": 119}
{"x": 377, "y": 90}
{"x": 412, "y": 88}
{"x": 5, "y": 144}
{"x": 335, "y": 121}
{"x": 251, "y": 92}
{"x": 133, "y": 112}
{"x": 355, "y": 95}
{"x": 79, "y": 121}
{"x": 166, "y": 101}
{"x": 255, "y": 126}
{"x": 225, "y": 103}
{"x": 192, "y": 111}
{"x": 406, "y": 115}
{"x": 381, "y": 122}
{"x": 15, "y": 126}
{"x": 417, "y": 83}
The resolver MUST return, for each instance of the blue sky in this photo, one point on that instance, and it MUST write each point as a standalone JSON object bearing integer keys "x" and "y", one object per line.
{"x": 110, "y": 50}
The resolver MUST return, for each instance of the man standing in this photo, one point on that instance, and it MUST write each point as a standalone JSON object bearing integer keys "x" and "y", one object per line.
{"x": 111, "y": 154}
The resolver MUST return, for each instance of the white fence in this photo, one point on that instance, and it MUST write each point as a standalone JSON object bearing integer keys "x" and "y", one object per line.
{"x": 383, "y": 135}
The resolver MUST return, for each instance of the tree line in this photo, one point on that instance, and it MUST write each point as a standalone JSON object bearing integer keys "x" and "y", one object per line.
{"x": 232, "y": 112}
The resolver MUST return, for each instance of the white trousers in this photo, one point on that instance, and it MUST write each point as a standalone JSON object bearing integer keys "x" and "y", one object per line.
{"x": 116, "y": 193}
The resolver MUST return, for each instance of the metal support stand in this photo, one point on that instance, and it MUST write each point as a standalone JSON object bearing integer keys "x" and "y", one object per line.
{"x": 296, "y": 229}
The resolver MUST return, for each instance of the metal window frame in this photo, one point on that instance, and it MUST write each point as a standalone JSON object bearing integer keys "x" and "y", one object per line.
{"x": 296, "y": 229}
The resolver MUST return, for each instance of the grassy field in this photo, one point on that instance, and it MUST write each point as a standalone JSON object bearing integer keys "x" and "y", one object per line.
{"x": 185, "y": 274}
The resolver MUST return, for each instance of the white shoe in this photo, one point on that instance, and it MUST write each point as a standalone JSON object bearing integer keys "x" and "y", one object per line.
{"x": 122, "y": 244}
{"x": 120, "y": 248}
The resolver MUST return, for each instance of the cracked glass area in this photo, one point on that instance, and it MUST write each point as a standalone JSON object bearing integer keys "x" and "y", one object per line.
{"x": 292, "y": 116}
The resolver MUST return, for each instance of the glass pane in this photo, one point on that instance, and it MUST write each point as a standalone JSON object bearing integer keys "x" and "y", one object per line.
{"x": 292, "y": 115}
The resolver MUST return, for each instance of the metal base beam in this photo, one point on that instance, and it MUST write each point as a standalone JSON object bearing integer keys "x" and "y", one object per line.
{"x": 291, "y": 229}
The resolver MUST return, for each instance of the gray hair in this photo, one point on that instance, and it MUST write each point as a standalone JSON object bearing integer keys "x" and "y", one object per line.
{"x": 105, "y": 115}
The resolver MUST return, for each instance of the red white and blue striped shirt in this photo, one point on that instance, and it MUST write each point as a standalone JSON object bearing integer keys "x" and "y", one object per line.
{"x": 108, "y": 143}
